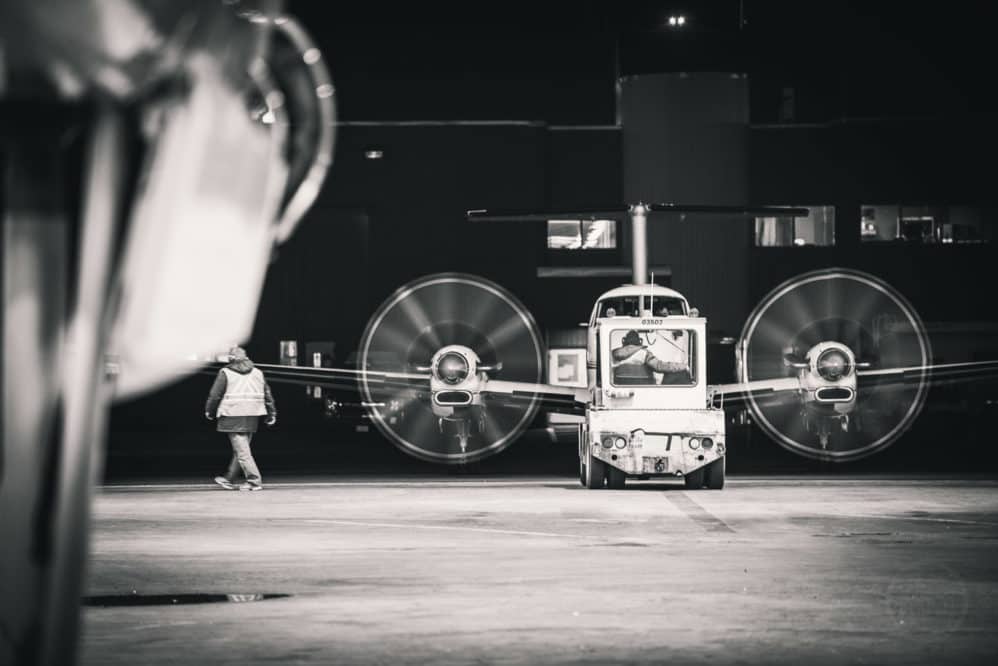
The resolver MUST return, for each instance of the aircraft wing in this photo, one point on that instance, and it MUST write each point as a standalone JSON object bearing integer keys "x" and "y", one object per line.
{"x": 608, "y": 213}
{"x": 551, "y": 398}
{"x": 760, "y": 211}
{"x": 339, "y": 379}
{"x": 760, "y": 390}
{"x": 765, "y": 390}
{"x": 941, "y": 374}
{"x": 623, "y": 212}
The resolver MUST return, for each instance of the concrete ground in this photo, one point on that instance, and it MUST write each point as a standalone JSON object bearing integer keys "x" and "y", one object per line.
{"x": 537, "y": 570}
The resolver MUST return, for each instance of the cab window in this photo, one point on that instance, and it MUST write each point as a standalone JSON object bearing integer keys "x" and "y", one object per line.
{"x": 653, "y": 357}
{"x": 665, "y": 306}
{"x": 620, "y": 306}
{"x": 632, "y": 306}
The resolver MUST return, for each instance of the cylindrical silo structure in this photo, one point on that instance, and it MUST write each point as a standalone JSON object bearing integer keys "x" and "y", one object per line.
{"x": 685, "y": 141}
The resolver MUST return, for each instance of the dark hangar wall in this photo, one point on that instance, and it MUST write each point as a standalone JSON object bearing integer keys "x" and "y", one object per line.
{"x": 942, "y": 160}
{"x": 381, "y": 223}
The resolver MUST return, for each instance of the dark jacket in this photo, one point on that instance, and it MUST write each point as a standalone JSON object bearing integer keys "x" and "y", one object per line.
{"x": 237, "y": 423}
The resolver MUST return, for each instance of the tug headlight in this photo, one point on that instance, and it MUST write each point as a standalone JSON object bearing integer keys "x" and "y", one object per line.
{"x": 608, "y": 442}
{"x": 694, "y": 443}
{"x": 706, "y": 442}
{"x": 620, "y": 442}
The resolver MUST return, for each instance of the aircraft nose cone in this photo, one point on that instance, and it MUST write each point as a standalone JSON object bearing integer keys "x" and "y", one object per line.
{"x": 453, "y": 368}
{"x": 833, "y": 364}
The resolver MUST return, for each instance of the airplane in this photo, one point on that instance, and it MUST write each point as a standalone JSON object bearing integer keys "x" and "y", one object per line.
{"x": 472, "y": 357}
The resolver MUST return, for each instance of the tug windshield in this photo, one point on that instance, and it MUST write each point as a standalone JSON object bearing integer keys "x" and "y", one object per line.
{"x": 653, "y": 357}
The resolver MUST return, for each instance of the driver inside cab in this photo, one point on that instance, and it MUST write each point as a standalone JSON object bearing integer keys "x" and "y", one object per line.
{"x": 635, "y": 364}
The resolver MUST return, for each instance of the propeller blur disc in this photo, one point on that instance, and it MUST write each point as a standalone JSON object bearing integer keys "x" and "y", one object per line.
{"x": 860, "y": 311}
{"x": 417, "y": 320}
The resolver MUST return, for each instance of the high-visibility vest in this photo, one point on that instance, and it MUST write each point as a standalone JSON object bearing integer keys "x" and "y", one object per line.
{"x": 633, "y": 368}
{"x": 243, "y": 394}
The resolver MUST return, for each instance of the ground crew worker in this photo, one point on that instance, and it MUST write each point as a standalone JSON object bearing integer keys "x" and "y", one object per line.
{"x": 238, "y": 398}
{"x": 633, "y": 363}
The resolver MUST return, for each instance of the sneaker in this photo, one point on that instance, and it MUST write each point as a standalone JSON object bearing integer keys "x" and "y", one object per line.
{"x": 225, "y": 483}
{"x": 250, "y": 486}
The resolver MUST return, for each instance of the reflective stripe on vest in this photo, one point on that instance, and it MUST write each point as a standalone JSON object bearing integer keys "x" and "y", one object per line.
{"x": 243, "y": 394}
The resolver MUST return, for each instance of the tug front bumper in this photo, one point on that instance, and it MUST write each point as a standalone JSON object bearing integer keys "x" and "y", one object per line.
{"x": 659, "y": 443}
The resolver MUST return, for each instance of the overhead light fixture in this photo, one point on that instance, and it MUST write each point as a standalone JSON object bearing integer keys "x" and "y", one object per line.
{"x": 374, "y": 154}
{"x": 677, "y": 21}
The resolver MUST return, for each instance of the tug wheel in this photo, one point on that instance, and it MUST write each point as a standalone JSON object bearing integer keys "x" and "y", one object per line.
{"x": 615, "y": 478}
{"x": 595, "y": 473}
{"x": 715, "y": 474}
{"x": 695, "y": 479}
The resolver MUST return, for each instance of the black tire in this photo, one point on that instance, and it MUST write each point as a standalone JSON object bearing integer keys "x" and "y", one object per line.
{"x": 715, "y": 474}
{"x": 582, "y": 471}
{"x": 695, "y": 479}
{"x": 595, "y": 473}
{"x": 615, "y": 479}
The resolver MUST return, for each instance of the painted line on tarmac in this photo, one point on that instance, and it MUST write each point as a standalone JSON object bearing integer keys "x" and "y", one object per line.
{"x": 458, "y": 528}
{"x": 697, "y": 513}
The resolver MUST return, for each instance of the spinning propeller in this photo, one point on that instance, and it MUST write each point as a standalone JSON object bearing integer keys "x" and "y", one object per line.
{"x": 483, "y": 330}
{"x": 833, "y": 329}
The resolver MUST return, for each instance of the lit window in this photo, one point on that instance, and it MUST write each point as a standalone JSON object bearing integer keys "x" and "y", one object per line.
{"x": 582, "y": 234}
{"x": 815, "y": 228}
{"x": 924, "y": 224}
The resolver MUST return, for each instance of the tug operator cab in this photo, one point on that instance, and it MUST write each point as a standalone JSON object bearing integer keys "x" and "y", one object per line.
{"x": 649, "y": 414}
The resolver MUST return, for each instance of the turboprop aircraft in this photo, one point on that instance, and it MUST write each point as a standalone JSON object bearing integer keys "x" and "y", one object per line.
{"x": 833, "y": 364}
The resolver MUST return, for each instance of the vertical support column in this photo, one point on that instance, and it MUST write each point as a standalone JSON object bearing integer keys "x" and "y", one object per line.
{"x": 639, "y": 244}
